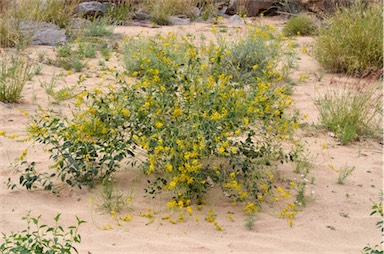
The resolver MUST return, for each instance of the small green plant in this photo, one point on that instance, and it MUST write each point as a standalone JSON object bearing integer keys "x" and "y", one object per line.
{"x": 302, "y": 169}
{"x": 303, "y": 24}
{"x": 99, "y": 27}
{"x": 110, "y": 198}
{"x": 86, "y": 50}
{"x": 377, "y": 209}
{"x": 59, "y": 95}
{"x": 70, "y": 63}
{"x": 359, "y": 51}
{"x": 249, "y": 222}
{"x": 43, "y": 239}
{"x": 344, "y": 172}
{"x": 15, "y": 71}
{"x": 64, "y": 51}
{"x": 352, "y": 112}
{"x": 71, "y": 58}
{"x": 106, "y": 53}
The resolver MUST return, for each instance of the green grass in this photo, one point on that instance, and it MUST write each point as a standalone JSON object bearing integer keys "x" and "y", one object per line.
{"x": 303, "y": 24}
{"x": 352, "y": 43}
{"x": 99, "y": 27}
{"x": 15, "y": 71}
{"x": 352, "y": 113}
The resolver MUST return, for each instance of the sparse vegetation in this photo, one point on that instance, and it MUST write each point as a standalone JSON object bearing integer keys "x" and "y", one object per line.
{"x": 15, "y": 71}
{"x": 353, "y": 112}
{"x": 344, "y": 172}
{"x": 110, "y": 199}
{"x": 377, "y": 209}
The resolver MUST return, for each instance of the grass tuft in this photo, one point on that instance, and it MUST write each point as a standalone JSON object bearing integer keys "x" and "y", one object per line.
{"x": 15, "y": 71}
{"x": 352, "y": 113}
{"x": 303, "y": 24}
{"x": 352, "y": 43}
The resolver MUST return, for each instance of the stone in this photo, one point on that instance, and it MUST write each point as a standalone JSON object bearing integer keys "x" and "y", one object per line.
{"x": 90, "y": 9}
{"x": 196, "y": 12}
{"x": 142, "y": 15}
{"x": 43, "y": 33}
{"x": 252, "y": 7}
{"x": 236, "y": 20}
{"x": 178, "y": 21}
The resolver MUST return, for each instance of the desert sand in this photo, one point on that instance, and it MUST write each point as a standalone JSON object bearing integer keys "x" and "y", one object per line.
{"x": 336, "y": 219}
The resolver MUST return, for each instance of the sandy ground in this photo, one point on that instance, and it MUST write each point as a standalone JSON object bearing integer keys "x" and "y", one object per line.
{"x": 336, "y": 220}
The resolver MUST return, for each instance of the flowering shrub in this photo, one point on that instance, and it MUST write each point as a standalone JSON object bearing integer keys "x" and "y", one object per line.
{"x": 197, "y": 126}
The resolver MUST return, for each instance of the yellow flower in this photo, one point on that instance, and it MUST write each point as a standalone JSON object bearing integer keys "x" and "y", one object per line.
{"x": 189, "y": 210}
{"x": 169, "y": 167}
{"x": 177, "y": 112}
{"x": 172, "y": 185}
{"x": 126, "y": 218}
{"x": 125, "y": 112}
{"x": 158, "y": 124}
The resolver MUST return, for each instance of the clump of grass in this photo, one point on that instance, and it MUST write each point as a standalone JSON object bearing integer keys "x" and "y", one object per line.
{"x": 15, "y": 71}
{"x": 352, "y": 43}
{"x": 303, "y": 24}
{"x": 10, "y": 35}
{"x": 161, "y": 10}
{"x": 99, "y": 27}
{"x": 58, "y": 94}
{"x": 254, "y": 56}
{"x": 249, "y": 221}
{"x": 121, "y": 12}
{"x": 71, "y": 59}
{"x": 352, "y": 112}
{"x": 344, "y": 173}
{"x": 56, "y": 11}
{"x": 110, "y": 199}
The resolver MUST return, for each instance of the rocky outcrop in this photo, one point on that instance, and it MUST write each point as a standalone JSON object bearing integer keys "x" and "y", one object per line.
{"x": 43, "y": 33}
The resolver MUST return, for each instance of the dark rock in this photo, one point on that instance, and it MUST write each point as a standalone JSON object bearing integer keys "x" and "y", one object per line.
{"x": 178, "y": 21}
{"x": 90, "y": 9}
{"x": 235, "y": 21}
{"x": 142, "y": 15}
{"x": 43, "y": 33}
{"x": 252, "y": 7}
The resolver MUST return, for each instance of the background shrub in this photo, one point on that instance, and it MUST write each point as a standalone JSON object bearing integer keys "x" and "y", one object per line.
{"x": 303, "y": 24}
{"x": 352, "y": 43}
